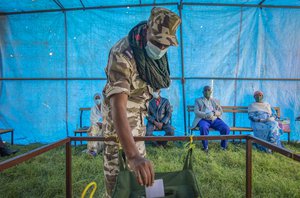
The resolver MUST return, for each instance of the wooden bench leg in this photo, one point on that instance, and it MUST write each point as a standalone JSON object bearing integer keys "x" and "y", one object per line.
{"x": 233, "y": 132}
{"x": 240, "y": 134}
{"x": 80, "y": 140}
{"x": 289, "y": 136}
{"x": 12, "y": 138}
{"x": 75, "y": 140}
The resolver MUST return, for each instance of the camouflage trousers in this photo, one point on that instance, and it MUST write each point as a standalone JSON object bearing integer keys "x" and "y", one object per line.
{"x": 96, "y": 146}
{"x": 111, "y": 162}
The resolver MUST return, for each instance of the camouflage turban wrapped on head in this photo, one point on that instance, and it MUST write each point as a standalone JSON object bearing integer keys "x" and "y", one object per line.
{"x": 162, "y": 26}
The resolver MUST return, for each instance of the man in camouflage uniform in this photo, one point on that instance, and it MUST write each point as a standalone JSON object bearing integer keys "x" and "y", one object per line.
{"x": 137, "y": 65}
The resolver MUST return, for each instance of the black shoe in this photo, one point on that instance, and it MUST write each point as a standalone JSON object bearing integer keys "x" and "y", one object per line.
{"x": 155, "y": 144}
{"x": 167, "y": 146}
{"x": 7, "y": 152}
{"x": 205, "y": 150}
{"x": 164, "y": 144}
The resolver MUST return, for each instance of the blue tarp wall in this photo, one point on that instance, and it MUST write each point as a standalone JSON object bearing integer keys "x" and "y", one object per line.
{"x": 52, "y": 62}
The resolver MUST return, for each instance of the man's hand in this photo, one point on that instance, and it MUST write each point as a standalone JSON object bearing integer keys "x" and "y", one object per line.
{"x": 143, "y": 170}
{"x": 263, "y": 120}
{"x": 209, "y": 115}
{"x": 159, "y": 125}
{"x": 217, "y": 113}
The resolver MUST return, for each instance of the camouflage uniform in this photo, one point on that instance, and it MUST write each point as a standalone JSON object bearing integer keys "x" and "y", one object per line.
{"x": 123, "y": 77}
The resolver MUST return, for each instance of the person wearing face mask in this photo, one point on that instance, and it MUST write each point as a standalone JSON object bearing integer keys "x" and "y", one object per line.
{"x": 137, "y": 65}
{"x": 95, "y": 147}
{"x": 263, "y": 121}
{"x": 159, "y": 115}
{"x": 208, "y": 114}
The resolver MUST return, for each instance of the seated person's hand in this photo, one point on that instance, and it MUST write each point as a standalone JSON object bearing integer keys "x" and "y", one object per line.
{"x": 217, "y": 113}
{"x": 209, "y": 115}
{"x": 160, "y": 125}
{"x": 271, "y": 119}
{"x": 262, "y": 120}
{"x": 254, "y": 119}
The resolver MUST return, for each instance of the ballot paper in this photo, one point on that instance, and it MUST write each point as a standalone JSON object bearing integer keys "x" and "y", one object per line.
{"x": 156, "y": 190}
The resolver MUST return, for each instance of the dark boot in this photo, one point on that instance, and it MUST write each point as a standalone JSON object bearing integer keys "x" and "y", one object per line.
{"x": 6, "y": 152}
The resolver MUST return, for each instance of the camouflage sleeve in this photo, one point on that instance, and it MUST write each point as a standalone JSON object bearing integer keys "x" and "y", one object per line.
{"x": 118, "y": 74}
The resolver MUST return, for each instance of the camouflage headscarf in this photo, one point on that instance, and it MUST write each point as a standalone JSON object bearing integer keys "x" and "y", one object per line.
{"x": 155, "y": 72}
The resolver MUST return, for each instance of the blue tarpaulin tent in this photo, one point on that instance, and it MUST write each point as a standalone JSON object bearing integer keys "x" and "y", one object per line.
{"x": 53, "y": 55}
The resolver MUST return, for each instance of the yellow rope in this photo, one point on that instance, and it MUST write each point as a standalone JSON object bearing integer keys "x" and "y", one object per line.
{"x": 191, "y": 139}
{"x": 190, "y": 144}
{"x": 87, "y": 187}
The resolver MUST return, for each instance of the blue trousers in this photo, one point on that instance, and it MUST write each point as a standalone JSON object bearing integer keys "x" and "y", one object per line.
{"x": 218, "y": 125}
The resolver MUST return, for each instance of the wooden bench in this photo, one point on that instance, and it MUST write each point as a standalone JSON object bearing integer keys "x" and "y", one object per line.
{"x": 234, "y": 110}
{"x": 81, "y": 129}
{"x": 11, "y": 131}
{"x": 84, "y": 129}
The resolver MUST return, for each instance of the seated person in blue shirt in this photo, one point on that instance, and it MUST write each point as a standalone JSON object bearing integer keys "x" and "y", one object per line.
{"x": 208, "y": 113}
{"x": 159, "y": 115}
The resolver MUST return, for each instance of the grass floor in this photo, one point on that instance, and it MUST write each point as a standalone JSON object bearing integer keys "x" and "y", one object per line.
{"x": 219, "y": 173}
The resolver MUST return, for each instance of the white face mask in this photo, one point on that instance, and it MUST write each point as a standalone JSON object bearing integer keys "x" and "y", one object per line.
{"x": 98, "y": 101}
{"x": 154, "y": 52}
{"x": 155, "y": 95}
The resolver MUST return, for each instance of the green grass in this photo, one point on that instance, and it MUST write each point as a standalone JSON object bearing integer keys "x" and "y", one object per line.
{"x": 219, "y": 173}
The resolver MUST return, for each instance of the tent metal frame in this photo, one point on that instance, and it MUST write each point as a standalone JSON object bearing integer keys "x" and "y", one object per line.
{"x": 173, "y": 78}
{"x": 58, "y": 3}
{"x": 180, "y": 7}
{"x": 181, "y": 4}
